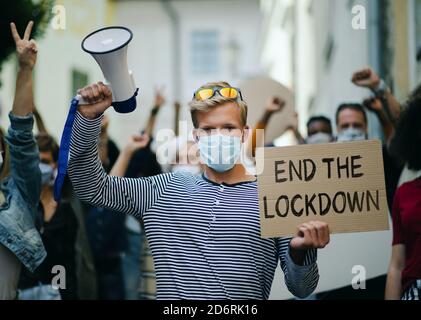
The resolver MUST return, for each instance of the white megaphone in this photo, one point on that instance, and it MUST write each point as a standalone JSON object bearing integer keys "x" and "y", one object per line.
{"x": 108, "y": 46}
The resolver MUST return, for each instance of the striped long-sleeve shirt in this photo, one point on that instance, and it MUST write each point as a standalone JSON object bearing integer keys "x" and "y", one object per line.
{"x": 204, "y": 237}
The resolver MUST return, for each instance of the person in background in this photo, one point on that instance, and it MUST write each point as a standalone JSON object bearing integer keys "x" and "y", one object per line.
{"x": 352, "y": 123}
{"x": 20, "y": 177}
{"x": 410, "y": 174}
{"x": 273, "y": 106}
{"x": 404, "y": 274}
{"x": 319, "y": 130}
{"x": 136, "y": 163}
{"x": 58, "y": 232}
{"x": 106, "y": 232}
{"x": 84, "y": 261}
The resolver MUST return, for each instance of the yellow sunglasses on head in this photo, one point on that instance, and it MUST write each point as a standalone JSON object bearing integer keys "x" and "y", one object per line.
{"x": 226, "y": 92}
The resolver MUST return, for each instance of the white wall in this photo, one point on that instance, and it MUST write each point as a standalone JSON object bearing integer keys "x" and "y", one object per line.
{"x": 151, "y": 52}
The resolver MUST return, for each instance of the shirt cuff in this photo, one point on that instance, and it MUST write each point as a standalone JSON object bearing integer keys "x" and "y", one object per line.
{"x": 21, "y": 123}
{"x": 309, "y": 260}
{"x": 89, "y": 123}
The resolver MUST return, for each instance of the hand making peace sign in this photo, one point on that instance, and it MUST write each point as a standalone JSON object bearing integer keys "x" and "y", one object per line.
{"x": 26, "y": 48}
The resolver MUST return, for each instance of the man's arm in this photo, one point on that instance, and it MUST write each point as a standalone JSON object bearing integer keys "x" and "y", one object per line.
{"x": 376, "y": 105}
{"x": 158, "y": 103}
{"x": 273, "y": 106}
{"x": 24, "y": 162}
{"x": 90, "y": 182}
{"x": 369, "y": 79}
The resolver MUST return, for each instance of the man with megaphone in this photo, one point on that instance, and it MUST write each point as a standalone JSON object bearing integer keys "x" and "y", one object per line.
{"x": 204, "y": 231}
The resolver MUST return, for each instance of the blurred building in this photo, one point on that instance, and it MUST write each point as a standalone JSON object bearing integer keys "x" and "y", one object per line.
{"x": 313, "y": 46}
{"x": 177, "y": 45}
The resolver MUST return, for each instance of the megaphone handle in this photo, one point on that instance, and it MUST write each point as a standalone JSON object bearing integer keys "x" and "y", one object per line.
{"x": 82, "y": 102}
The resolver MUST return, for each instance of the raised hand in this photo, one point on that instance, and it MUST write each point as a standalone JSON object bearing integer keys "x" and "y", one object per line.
{"x": 137, "y": 142}
{"x": 26, "y": 48}
{"x": 99, "y": 98}
{"x": 275, "y": 105}
{"x": 366, "y": 78}
{"x": 159, "y": 98}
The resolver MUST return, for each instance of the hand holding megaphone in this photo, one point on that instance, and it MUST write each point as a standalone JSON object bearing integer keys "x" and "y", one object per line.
{"x": 97, "y": 98}
{"x": 108, "y": 46}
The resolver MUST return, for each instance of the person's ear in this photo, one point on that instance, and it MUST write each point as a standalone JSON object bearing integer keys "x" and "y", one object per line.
{"x": 195, "y": 134}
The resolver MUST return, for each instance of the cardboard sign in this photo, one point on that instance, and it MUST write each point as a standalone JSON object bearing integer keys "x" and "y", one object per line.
{"x": 257, "y": 91}
{"x": 340, "y": 184}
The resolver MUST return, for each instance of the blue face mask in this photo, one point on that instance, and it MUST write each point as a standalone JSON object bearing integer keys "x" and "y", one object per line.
{"x": 47, "y": 174}
{"x": 220, "y": 152}
{"x": 351, "y": 134}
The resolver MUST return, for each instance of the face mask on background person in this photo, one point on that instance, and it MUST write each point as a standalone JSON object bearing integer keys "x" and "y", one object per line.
{"x": 220, "y": 152}
{"x": 190, "y": 168}
{"x": 47, "y": 174}
{"x": 319, "y": 138}
{"x": 351, "y": 134}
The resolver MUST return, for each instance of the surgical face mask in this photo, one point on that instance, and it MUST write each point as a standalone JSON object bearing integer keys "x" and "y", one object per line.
{"x": 190, "y": 168}
{"x": 220, "y": 152}
{"x": 47, "y": 174}
{"x": 319, "y": 138}
{"x": 351, "y": 134}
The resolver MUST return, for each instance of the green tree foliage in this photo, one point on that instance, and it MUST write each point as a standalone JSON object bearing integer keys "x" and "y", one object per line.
{"x": 21, "y": 12}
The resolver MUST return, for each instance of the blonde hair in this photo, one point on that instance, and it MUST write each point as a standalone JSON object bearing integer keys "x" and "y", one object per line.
{"x": 216, "y": 101}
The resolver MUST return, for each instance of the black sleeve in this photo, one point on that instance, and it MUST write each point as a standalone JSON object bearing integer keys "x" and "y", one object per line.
{"x": 392, "y": 173}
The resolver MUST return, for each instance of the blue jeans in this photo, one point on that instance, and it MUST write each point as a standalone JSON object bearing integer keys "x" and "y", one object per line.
{"x": 131, "y": 264}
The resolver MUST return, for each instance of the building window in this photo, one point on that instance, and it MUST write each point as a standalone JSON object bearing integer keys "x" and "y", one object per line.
{"x": 79, "y": 80}
{"x": 204, "y": 50}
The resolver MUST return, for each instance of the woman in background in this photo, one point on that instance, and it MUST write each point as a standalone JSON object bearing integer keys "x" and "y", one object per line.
{"x": 404, "y": 275}
{"x": 20, "y": 177}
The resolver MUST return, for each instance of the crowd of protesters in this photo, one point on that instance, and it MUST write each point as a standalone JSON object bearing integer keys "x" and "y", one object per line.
{"x": 128, "y": 229}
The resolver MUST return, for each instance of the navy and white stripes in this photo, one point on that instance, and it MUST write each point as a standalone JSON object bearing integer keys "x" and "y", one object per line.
{"x": 205, "y": 238}
{"x": 413, "y": 292}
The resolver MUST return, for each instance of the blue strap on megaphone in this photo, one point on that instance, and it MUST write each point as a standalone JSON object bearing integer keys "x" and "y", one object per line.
{"x": 63, "y": 157}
